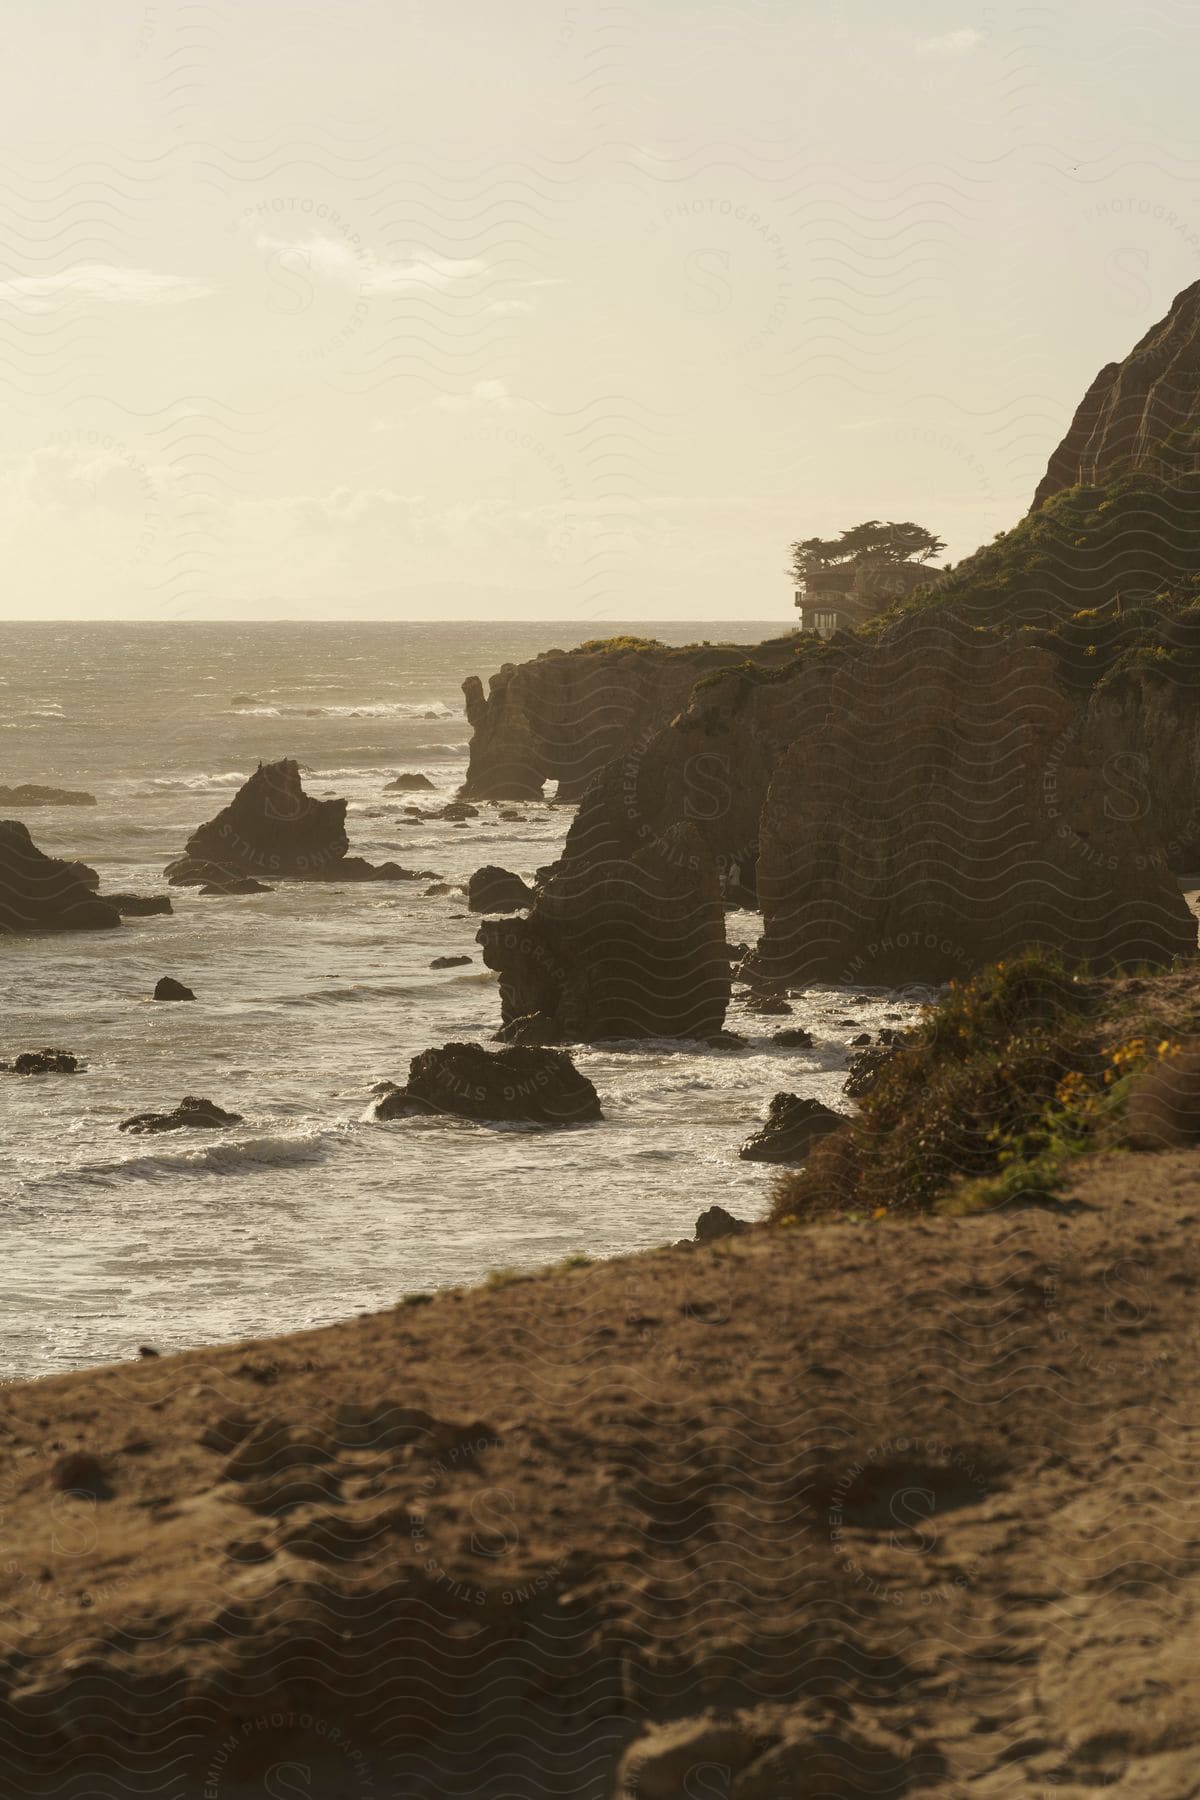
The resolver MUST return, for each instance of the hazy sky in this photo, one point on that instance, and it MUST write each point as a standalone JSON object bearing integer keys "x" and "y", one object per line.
{"x": 411, "y": 308}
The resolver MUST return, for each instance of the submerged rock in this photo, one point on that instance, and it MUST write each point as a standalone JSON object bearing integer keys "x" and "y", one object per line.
{"x": 793, "y": 1126}
{"x": 245, "y": 884}
{"x": 192, "y": 1114}
{"x": 533, "y": 1028}
{"x": 170, "y": 989}
{"x": 30, "y": 794}
{"x": 44, "y": 1062}
{"x": 139, "y": 906}
{"x": 519, "y": 1083}
{"x": 495, "y": 890}
{"x": 42, "y": 893}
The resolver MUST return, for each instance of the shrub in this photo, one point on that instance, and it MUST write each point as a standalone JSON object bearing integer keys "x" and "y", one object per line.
{"x": 976, "y": 1089}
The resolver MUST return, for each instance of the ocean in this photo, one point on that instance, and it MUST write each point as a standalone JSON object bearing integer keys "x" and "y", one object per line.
{"x": 309, "y": 1210}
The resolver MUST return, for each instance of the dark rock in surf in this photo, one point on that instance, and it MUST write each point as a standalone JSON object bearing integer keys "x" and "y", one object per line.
{"x": 272, "y": 828}
{"x": 716, "y": 1223}
{"x": 42, "y": 893}
{"x": 626, "y": 938}
{"x": 44, "y": 1062}
{"x": 521, "y": 1083}
{"x": 792, "y": 1127}
{"x": 495, "y": 890}
{"x": 534, "y": 1028}
{"x": 793, "y": 1039}
{"x": 139, "y": 906}
{"x": 866, "y": 1068}
{"x": 449, "y": 962}
{"x": 245, "y": 884}
{"x": 30, "y": 794}
{"x": 192, "y": 1114}
{"x": 408, "y": 782}
{"x": 170, "y": 989}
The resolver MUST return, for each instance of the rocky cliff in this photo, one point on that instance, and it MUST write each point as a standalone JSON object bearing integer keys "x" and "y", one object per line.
{"x": 949, "y": 809}
{"x": 1139, "y": 414}
{"x": 42, "y": 893}
{"x": 626, "y": 937}
{"x": 564, "y": 715}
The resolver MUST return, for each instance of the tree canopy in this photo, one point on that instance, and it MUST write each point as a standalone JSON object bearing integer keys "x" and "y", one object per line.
{"x": 874, "y": 541}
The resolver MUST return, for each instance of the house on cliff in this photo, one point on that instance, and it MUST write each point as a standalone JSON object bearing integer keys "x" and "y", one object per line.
{"x": 838, "y": 599}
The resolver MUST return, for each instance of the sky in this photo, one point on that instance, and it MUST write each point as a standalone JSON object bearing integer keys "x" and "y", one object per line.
{"x": 446, "y": 308}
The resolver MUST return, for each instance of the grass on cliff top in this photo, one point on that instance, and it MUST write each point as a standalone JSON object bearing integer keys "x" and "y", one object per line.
{"x": 1137, "y": 538}
{"x": 993, "y": 1096}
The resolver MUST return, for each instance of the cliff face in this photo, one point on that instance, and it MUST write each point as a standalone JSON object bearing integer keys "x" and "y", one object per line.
{"x": 910, "y": 808}
{"x": 564, "y": 715}
{"x": 948, "y": 810}
{"x": 1140, "y": 414}
{"x": 626, "y": 937}
{"x": 42, "y": 893}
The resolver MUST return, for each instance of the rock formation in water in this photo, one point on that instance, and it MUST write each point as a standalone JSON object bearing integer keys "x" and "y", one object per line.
{"x": 626, "y": 937}
{"x": 495, "y": 890}
{"x": 167, "y": 988}
{"x": 406, "y": 783}
{"x": 273, "y": 828}
{"x": 520, "y": 1083}
{"x": 41, "y": 893}
{"x": 566, "y": 714}
{"x": 30, "y": 794}
{"x": 139, "y": 906}
{"x": 793, "y": 1125}
{"x": 1139, "y": 414}
{"x": 44, "y": 1062}
{"x": 192, "y": 1114}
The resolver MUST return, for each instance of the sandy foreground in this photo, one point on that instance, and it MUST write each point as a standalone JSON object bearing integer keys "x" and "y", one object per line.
{"x": 841, "y": 1512}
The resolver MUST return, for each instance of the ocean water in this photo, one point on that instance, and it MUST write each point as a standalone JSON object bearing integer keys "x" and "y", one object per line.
{"x": 310, "y": 1211}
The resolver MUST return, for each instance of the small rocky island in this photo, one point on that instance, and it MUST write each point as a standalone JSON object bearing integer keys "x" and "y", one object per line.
{"x": 272, "y": 828}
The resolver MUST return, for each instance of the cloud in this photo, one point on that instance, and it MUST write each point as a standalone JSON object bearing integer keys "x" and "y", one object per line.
{"x": 484, "y": 394}
{"x": 338, "y": 259}
{"x": 951, "y": 43}
{"x": 101, "y": 281}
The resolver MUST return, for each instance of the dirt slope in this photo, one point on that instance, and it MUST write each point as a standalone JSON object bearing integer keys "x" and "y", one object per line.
{"x": 852, "y": 1511}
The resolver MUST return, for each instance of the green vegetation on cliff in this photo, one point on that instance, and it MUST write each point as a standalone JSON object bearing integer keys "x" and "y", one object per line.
{"x": 1017, "y": 1073}
{"x": 1133, "y": 541}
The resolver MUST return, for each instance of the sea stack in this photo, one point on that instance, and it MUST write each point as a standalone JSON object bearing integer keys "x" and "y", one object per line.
{"x": 42, "y": 893}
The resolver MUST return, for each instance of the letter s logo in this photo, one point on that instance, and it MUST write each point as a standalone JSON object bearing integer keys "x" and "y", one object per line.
{"x": 709, "y": 289}
{"x": 289, "y": 287}
{"x": 1126, "y": 1302}
{"x": 498, "y": 1535}
{"x": 1127, "y": 270}
{"x": 910, "y": 1508}
{"x": 707, "y": 790}
{"x": 1126, "y": 795}
{"x": 278, "y": 1781}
